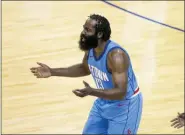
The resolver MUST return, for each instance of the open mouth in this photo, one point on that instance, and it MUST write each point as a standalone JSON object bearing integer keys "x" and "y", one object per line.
{"x": 83, "y": 39}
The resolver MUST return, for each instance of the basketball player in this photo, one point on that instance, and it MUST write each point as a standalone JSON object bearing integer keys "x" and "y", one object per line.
{"x": 178, "y": 122}
{"x": 118, "y": 107}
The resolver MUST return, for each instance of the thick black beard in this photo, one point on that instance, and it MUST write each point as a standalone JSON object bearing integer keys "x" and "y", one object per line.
{"x": 89, "y": 43}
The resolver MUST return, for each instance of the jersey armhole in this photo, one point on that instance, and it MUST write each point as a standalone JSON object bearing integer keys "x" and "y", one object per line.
{"x": 107, "y": 57}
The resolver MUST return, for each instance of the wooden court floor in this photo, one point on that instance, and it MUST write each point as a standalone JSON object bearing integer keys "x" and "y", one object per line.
{"x": 48, "y": 32}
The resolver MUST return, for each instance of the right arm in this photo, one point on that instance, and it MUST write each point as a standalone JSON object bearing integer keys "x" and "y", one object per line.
{"x": 77, "y": 70}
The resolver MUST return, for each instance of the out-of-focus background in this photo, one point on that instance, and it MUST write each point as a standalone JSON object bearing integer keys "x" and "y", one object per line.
{"x": 48, "y": 32}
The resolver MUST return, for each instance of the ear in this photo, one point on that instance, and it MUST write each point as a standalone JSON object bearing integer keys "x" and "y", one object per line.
{"x": 100, "y": 35}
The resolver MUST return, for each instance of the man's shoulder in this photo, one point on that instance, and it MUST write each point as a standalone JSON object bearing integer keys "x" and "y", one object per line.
{"x": 117, "y": 49}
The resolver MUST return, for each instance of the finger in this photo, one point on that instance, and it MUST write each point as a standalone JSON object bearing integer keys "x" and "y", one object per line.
{"x": 174, "y": 123}
{"x": 79, "y": 91}
{"x": 177, "y": 125}
{"x": 79, "y": 94}
{"x": 33, "y": 68}
{"x": 34, "y": 71}
{"x": 39, "y": 77}
{"x": 180, "y": 126}
{"x": 75, "y": 90}
{"x": 82, "y": 90}
{"x": 86, "y": 84}
{"x": 41, "y": 64}
{"x": 174, "y": 126}
{"x": 174, "y": 120}
{"x": 36, "y": 74}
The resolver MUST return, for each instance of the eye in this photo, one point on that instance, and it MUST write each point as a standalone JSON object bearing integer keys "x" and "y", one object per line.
{"x": 86, "y": 29}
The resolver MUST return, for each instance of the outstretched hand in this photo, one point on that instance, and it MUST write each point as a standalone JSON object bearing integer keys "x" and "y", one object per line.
{"x": 83, "y": 92}
{"x": 43, "y": 71}
{"x": 178, "y": 122}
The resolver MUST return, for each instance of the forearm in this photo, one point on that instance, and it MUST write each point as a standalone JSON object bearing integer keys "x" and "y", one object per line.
{"x": 74, "y": 71}
{"x": 113, "y": 94}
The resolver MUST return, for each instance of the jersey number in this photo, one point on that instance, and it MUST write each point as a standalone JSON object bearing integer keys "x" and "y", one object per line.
{"x": 99, "y": 83}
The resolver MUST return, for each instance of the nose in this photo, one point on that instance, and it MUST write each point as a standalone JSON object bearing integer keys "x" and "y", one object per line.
{"x": 84, "y": 32}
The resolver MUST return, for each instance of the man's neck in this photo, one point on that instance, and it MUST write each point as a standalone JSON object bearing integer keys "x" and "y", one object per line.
{"x": 101, "y": 46}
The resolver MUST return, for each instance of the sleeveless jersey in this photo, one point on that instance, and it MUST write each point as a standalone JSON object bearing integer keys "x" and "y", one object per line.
{"x": 102, "y": 77}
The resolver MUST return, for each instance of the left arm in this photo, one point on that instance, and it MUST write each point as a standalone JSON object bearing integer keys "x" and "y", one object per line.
{"x": 118, "y": 63}
{"x": 178, "y": 122}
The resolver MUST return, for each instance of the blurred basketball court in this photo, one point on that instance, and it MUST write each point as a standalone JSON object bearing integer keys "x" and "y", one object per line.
{"x": 48, "y": 32}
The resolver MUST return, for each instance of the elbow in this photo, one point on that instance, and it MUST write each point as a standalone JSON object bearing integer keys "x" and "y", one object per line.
{"x": 118, "y": 95}
{"x": 121, "y": 95}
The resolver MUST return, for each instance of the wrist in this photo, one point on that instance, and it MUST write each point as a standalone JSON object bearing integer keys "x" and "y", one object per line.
{"x": 52, "y": 72}
{"x": 91, "y": 91}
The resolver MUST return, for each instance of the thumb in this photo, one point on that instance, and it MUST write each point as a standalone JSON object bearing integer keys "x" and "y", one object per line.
{"x": 41, "y": 64}
{"x": 86, "y": 84}
{"x": 179, "y": 114}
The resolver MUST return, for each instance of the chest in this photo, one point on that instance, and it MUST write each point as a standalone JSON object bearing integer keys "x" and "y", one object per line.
{"x": 98, "y": 72}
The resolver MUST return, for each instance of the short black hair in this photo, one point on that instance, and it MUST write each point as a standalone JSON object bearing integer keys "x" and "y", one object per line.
{"x": 102, "y": 25}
